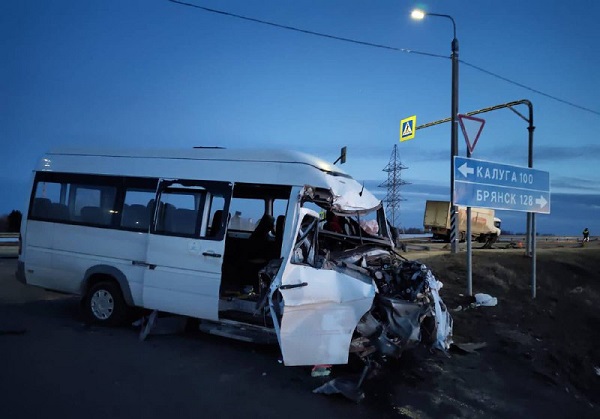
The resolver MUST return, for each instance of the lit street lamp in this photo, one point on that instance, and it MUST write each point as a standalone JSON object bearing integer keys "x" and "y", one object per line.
{"x": 419, "y": 15}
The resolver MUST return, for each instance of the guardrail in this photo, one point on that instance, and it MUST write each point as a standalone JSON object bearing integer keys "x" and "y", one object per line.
{"x": 9, "y": 238}
{"x": 9, "y": 245}
{"x": 547, "y": 238}
{"x": 423, "y": 238}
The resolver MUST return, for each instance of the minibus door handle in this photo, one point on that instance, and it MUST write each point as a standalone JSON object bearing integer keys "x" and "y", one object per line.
{"x": 140, "y": 263}
{"x": 290, "y": 286}
{"x": 211, "y": 254}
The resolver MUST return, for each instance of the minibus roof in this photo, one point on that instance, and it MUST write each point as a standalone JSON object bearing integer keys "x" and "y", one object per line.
{"x": 261, "y": 166}
{"x": 212, "y": 153}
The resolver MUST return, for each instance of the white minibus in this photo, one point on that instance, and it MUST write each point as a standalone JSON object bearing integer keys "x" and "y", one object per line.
{"x": 253, "y": 244}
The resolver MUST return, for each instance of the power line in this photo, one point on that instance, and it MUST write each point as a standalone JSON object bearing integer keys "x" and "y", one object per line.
{"x": 387, "y": 47}
{"x": 566, "y": 102}
{"x": 323, "y": 35}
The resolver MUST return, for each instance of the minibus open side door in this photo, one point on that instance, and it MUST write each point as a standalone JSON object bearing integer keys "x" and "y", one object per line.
{"x": 186, "y": 246}
{"x": 319, "y": 307}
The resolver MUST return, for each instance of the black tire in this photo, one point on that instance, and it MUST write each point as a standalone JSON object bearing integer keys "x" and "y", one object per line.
{"x": 104, "y": 304}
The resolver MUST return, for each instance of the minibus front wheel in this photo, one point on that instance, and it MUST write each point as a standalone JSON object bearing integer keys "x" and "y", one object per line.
{"x": 104, "y": 304}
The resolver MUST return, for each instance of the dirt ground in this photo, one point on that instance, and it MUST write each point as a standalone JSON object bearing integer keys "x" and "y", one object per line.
{"x": 541, "y": 356}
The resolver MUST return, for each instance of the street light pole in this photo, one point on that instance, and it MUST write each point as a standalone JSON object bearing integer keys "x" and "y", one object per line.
{"x": 454, "y": 139}
{"x": 454, "y": 236}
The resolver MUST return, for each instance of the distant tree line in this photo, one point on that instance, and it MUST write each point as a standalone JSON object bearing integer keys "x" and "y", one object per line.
{"x": 11, "y": 223}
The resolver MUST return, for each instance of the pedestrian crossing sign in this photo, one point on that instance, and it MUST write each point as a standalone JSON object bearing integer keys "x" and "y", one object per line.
{"x": 408, "y": 126}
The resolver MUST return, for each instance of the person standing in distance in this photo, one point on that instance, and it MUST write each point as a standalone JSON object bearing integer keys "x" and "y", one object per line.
{"x": 586, "y": 235}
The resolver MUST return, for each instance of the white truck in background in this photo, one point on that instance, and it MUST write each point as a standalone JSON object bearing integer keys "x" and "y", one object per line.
{"x": 485, "y": 227}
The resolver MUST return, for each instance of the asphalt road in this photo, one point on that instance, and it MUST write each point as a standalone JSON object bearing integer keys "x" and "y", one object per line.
{"x": 52, "y": 364}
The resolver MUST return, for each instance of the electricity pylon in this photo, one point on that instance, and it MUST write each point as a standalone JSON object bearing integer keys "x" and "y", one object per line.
{"x": 393, "y": 183}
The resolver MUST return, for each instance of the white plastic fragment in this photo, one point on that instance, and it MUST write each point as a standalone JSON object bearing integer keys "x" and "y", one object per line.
{"x": 147, "y": 326}
{"x": 321, "y": 371}
{"x": 442, "y": 316}
{"x": 485, "y": 300}
{"x": 576, "y": 290}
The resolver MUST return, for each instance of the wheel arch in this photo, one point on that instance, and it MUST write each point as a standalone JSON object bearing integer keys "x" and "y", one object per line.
{"x": 100, "y": 273}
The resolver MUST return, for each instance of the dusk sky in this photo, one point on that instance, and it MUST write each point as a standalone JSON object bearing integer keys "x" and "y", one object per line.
{"x": 152, "y": 73}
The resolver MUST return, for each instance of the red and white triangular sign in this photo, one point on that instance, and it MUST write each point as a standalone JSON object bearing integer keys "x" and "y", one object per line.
{"x": 476, "y": 122}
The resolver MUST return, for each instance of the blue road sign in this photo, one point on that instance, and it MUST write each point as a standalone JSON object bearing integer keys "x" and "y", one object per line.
{"x": 480, "y": 183}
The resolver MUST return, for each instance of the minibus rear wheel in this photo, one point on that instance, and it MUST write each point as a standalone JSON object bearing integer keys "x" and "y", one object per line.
{"x": 104, "y": 304}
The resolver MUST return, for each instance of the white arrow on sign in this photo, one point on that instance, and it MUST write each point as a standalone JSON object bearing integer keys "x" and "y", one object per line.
{"x": 541, "y": 201}
{"x": 466, "y": 170}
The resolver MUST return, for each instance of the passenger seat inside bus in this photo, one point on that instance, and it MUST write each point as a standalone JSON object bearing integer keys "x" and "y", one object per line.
{"x": 279, "y": 227}
{"x": 245, "y": 257}
{"x": 92, "y": 215}
{"x": 259, "y": 250}
{"x": 184, "y": 221}
{"x": 259, "y": 243}
{"x": 135, "y": 216}
{"x": 41, "y": 207}
{"x": 59, "y": 212}
{"x": 216, "y": 224}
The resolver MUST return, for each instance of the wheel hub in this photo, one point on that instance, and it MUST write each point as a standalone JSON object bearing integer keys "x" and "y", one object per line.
{"x": 102, "y": 304}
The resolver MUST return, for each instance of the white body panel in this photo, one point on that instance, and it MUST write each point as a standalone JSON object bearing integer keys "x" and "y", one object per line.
{"x": 59, "y": 255}
{"x": 319, "y": 319}
{"x": 181, "y": 279}
{"x": 320, "y": 316}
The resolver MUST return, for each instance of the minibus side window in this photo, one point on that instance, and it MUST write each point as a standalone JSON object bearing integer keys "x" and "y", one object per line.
{"x": 178, "y": 212}
{"x": 191, "y": 208}
{"x": 138, "y": 209}
{"x": 93, "y": 205}
{"x": 49, "y": 202}
{"x": 246, "y": 213}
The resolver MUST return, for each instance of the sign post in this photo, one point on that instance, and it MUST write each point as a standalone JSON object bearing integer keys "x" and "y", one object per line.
{"x": 486, "y": 184}
{"x": 470, "y": 148}
{"x": 531, "y": 128}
